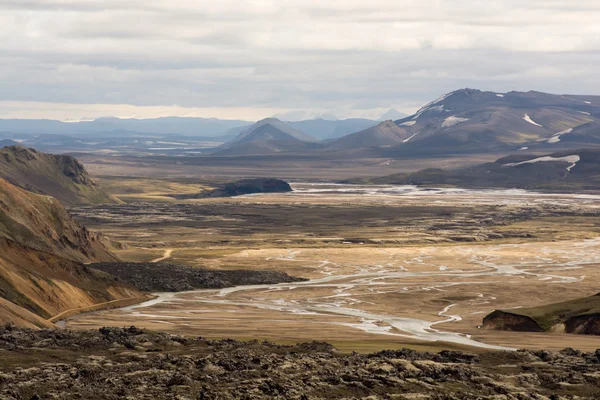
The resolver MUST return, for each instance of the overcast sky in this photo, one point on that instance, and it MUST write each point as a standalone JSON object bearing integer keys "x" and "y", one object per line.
{"x": 251, "y": 59}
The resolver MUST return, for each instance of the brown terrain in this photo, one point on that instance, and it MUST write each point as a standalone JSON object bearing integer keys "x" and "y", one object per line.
{"x": 42, "y": 251}
{"x": 60, "y": 176}
{"x": 389, "y": 267}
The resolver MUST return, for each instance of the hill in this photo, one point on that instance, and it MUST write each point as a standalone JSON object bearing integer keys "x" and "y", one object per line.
{"x": 59, "y": 176}
{"x": 41, "y": 254}
{"x": 562, "y": 171}
{"x": 474, "y": 121}
{"x": 386, "y": 133}
{"x": 240, "y": 188}
{"x": 580, "y": 316}
{"x": 268, "y": 136}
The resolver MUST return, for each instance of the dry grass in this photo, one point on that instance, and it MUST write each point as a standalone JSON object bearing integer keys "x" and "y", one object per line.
{"x": 152, "y": 190}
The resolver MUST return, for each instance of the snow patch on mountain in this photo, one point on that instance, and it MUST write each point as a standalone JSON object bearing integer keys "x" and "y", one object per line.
{"x": 406, "y": 140}
{"x": 573, "y": 159}
{"x": 408, "y": 123}
{"x": 431, "y": 108}
{"x": 451, "y": 121}
{"x": 527, "y": 118}
{"x": 556, "y": 137}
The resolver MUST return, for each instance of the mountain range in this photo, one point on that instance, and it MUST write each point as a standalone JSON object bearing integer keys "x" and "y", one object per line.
{"x": 158, "y": 126}
{"x": 471, "y": 120}
{"x": 466, "y": 121}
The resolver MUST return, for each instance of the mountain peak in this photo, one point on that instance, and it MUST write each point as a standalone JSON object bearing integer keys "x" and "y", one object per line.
{"x": 392, "y": 114}
{"x": 269, "y": 120}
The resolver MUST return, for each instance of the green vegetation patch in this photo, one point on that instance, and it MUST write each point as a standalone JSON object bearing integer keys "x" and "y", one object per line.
{"x": 549, "y": 315}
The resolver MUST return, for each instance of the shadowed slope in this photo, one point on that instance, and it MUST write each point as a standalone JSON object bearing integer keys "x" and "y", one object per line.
{"x": 60, "y": 176}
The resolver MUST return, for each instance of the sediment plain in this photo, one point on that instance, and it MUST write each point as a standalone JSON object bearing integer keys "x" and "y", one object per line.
{"x": 389, "y": 266}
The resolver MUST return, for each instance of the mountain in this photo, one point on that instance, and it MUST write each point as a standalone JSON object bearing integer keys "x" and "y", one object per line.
{"x": 60, "y": 176}
{"x": 42, "y": 251}
{"x": 331, "y": 129}
{"x": 301, "y": 115}
{"x": 270, "y": 125}
{"x": 573, "y": 316}
{"x": 165, "y": 125}
{"x": 562, "y": 171}
{"x": 386, "y": 133}
{"x": 473, "y": 121}
{"x": 392, "y": 114}
{"x": 268, "y": 136}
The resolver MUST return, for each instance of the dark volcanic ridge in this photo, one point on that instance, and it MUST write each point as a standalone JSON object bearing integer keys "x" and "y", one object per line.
{"x": 162, "y": 277}
{"x": 112, "y": 363}
{"x": 242, "y": 187}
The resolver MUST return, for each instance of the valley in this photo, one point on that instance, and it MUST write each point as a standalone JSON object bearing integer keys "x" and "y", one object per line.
{"x": 389, "y": 266}
{"x": 299, "y": 200}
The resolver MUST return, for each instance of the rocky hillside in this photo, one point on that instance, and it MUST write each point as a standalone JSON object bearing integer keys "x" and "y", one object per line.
{"x": 59, "y": 176}
{"x": 139, "y": 364}
{"x": 562, "y": 171}
{"x": 581, "y": 316}
{"x": 472, "y": 121}
{"x": 162, "y": 277}
{"x": 386, "y": 133}
{"x": 41, "y": 254}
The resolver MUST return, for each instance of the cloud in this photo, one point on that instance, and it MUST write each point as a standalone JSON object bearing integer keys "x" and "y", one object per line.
{"x": 291, "y": 54}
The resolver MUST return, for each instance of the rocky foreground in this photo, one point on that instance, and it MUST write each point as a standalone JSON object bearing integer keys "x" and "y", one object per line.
{"x": 115, "y": 363}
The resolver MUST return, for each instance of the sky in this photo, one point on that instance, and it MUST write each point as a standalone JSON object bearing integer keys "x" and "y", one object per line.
{"x": 231, "y": 59}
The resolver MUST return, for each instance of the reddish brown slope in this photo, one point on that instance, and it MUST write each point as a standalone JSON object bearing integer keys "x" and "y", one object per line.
{"x": 41, "y": 253}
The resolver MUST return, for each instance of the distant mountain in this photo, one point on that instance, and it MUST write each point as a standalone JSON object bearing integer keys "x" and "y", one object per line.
{"x": 468, "y": 121}
{"x": 41, "y": 254}
{"x": 386, "y": 133}
{"x": 266, "y": 137}
{"x": 472, "y": 121}
{"x": 60, "y": 176}
{"x": 331, "y": 129}
{"x": 300, "y": 115}
{"x": 162, "y": 126}
{"x": 270, "y": 125}
{"x": 572, "y": 170}
{"x": 392, "y": 114}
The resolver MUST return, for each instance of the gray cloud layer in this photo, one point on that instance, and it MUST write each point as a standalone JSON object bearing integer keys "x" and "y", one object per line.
{"x": 351, "y": 56}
